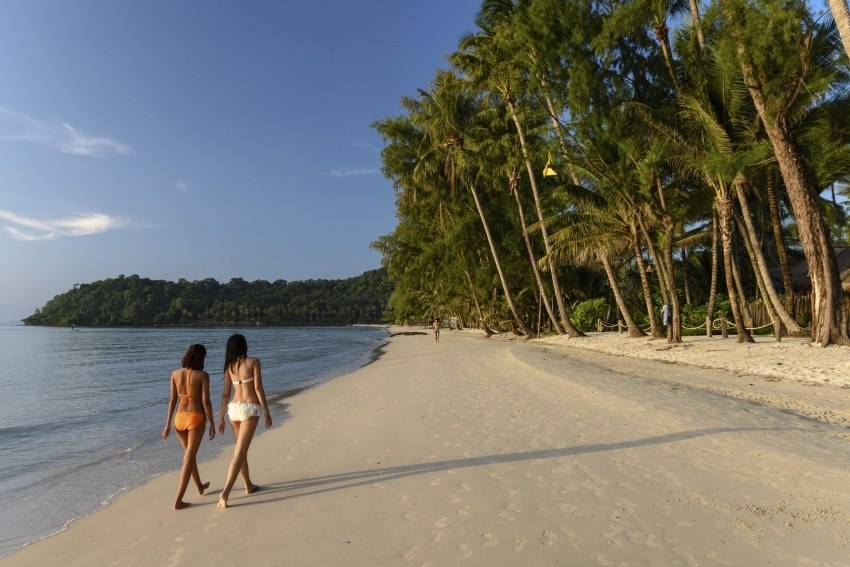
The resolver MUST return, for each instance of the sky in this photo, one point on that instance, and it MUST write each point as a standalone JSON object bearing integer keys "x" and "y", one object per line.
{"x": 202, "y": 138}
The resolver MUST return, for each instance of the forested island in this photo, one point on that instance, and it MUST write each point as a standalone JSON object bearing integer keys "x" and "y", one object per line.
{"x": 134, "y": 301}
{"x": 655, "y": 166}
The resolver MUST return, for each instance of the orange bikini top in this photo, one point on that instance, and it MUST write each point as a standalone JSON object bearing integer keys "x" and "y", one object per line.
{"x": 186, "y": 398}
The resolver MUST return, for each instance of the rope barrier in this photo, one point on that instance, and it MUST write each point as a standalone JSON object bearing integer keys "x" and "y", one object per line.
{"x": 716, "y": 324}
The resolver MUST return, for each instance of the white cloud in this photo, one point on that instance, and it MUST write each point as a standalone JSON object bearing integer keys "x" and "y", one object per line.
{"x": 353, "y": 172}
{"x": 182, "y": 186}
{"x": 58, "y": 135}
{"x": 29, "y": 229}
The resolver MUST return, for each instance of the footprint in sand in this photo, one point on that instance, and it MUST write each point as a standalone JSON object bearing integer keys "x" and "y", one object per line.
{"x": 464, "y": 552}
{"x": 410, "y": 554}
{"x": 442, "y": 523}
{"x": 547, "y": 539}
{"x": 520, "y": 542}
{"x": 489, "y": 540}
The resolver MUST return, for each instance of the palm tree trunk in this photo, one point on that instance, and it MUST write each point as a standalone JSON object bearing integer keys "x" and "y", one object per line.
{"x": 513, "y": 182}
{"x": 697, "y": 23}
{"x": 570, "y": 329}
{"x": 715, "y": 261}
{"x": 675, "y": 335}
{"x": 634, "y": 330}
{"x": 471, "y": 286}
{"x": 739, "y": 286}
{"x": 829, "y": 319}
{"x": 556, "y": 284}
{"x": 495, "y": 255}
{"x": 724, "y": 207}
{"x": 779, "y": 243}
{"x": 759, "y": 263}
{"x": 841, "y": 15}
{"x": 752, "y": 250}
{"x": 662, "y": 35}
{"x": 659, "y": 262}
{"x": 654, "y": 327}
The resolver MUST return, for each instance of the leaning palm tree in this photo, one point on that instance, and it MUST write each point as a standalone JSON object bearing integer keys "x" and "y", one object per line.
{"x": 593, "y": 234}
{"x": 447, "y": 116}
{"x": 489, "y": 59}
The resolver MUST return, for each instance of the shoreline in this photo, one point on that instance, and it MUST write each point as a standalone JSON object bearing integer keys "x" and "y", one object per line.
{"x": 151, "y": 450}
{"x": 432, "y": 454}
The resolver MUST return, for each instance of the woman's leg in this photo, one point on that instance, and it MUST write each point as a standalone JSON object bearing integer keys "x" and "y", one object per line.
{"x": 243, "y": 432}
{"x": 190, "y": 440}
{"x": 244, "y": 471}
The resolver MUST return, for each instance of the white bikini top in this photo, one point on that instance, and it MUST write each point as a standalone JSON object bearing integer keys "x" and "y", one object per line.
{"x": 246, "y": 380}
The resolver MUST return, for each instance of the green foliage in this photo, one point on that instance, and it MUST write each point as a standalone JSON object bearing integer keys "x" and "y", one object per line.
{"x": 646, "y": 137}
{"x": 586, "y": 314}
{"x": 694, "y": 315}
{"x": 140, "y": 302}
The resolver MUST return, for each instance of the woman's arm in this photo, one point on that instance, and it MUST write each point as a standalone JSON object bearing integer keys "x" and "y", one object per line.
{"x": 205, "y": 396}
{"x": 172, "y": 404}
{"x": 225, "y": 396}
{"x": 261, "y": 394}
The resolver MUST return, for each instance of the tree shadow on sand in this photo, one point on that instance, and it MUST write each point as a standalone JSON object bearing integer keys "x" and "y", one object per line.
{"x": 329, "y": 483}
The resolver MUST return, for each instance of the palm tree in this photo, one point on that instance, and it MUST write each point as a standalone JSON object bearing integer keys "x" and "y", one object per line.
{"x": 594, "y": 233}
{"x": 448, "y": 118}
{"x": 487, "y": 58}
{"x": 789, "y": 75}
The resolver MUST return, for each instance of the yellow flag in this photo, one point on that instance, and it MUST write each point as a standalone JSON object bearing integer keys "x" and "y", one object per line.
{"x": 548, "y": 171}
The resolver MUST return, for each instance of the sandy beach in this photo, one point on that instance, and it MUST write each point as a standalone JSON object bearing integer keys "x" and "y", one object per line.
{"x": 501, "y": 452}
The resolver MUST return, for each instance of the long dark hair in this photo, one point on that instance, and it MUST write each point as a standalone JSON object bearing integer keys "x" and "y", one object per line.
{"x": 194, "y": 357}
{"x": 237, "y": 347}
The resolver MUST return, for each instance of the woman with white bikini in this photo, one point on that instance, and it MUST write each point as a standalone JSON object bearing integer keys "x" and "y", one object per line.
{"x": 242, "y": 374}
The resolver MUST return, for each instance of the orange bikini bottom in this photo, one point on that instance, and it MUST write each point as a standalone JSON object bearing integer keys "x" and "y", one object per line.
{"x": 188, "y": 420}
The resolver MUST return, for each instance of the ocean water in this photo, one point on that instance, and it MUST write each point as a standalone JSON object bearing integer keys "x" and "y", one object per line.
{"x": 83, "y": 411}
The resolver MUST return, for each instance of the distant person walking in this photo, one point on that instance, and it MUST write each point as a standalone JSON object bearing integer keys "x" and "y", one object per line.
{"x": 242, "y": 373}
{"x": 436, "y": 326}
{"x": 190, "y": 396}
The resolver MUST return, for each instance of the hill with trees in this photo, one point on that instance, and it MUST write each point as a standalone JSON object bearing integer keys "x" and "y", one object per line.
{"x": 134, "y": 301}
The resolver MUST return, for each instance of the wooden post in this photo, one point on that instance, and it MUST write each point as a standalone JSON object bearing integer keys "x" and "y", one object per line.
{"x": 708, "y": 327}
{"x": 724, "y": 327}
{"x": 619, "y": 327}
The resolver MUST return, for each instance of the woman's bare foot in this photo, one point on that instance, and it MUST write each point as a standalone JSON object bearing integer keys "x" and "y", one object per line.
{"x": 253, "y": 488}
{"x": 180, "y": 505}
{"x": 222, "y": 503}
{"x": 203, "y": 487}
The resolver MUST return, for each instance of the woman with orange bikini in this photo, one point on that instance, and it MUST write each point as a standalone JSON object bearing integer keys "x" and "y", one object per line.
{"x": 190, "y": 396}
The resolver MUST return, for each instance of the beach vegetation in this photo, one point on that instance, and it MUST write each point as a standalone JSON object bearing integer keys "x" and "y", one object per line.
{"x": 588, "y": 313}
{"x": 633, "y": 154}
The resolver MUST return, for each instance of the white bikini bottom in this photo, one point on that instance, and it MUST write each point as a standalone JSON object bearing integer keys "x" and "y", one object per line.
{"x": 241, "y": 411}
